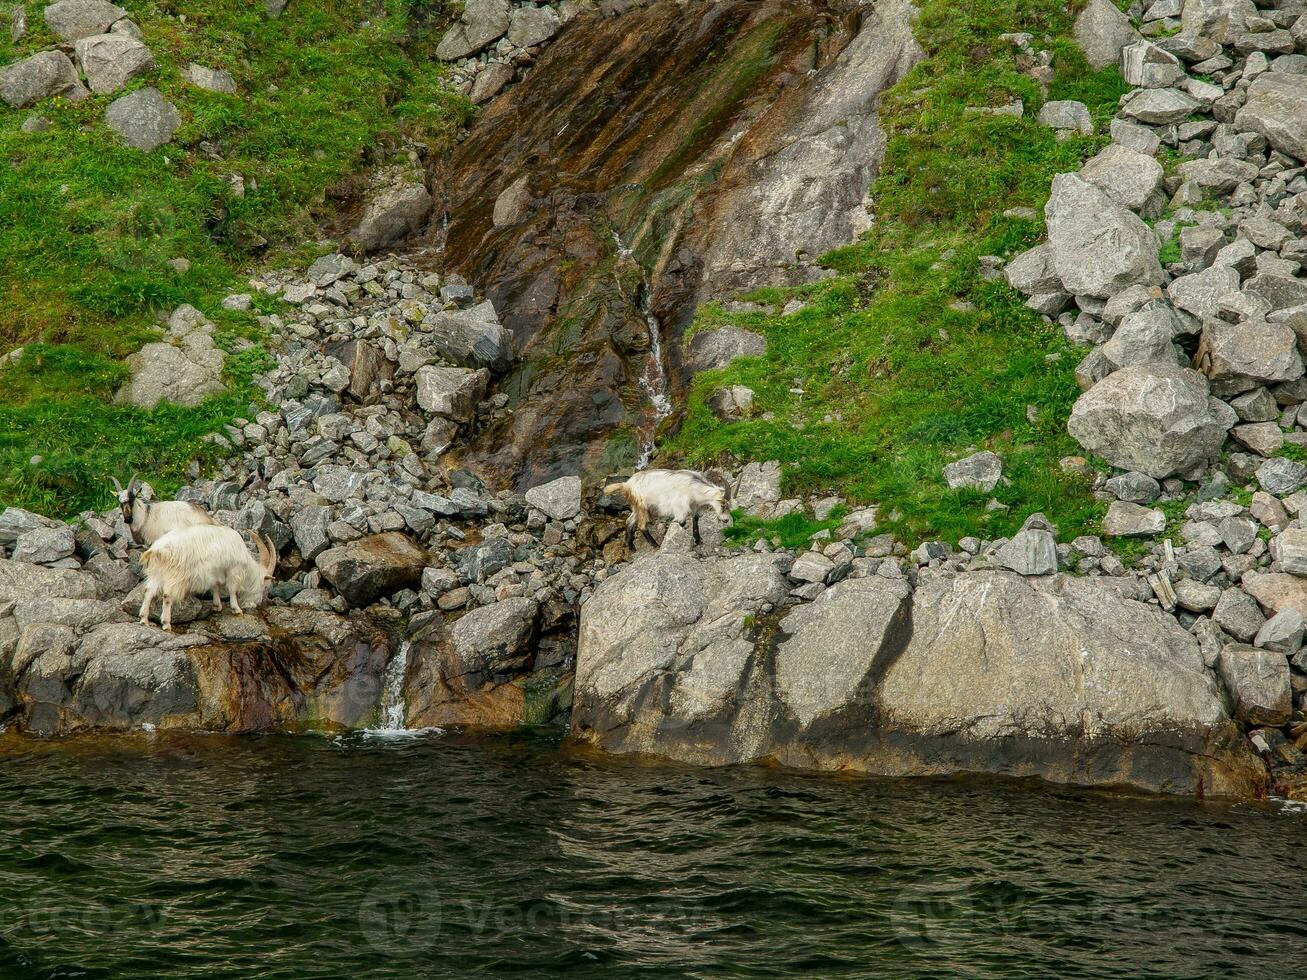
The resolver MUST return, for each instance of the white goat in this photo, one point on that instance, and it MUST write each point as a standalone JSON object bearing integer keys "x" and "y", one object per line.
{"x": 148, "y": 519}
{"x": 205, "y": 558}
{"x": 670, "y": 495}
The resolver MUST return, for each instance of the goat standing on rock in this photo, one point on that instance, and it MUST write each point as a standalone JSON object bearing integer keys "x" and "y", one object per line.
{"x": 206, "y": 558}
{"x": 148, "y": 519}
{"x": 670, "y": 495}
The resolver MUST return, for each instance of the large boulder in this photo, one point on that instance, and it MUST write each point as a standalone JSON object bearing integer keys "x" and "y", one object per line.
{"x": 42, "y": 76}
{"x": 184, "y": 368}
{"x": 1277, "y": 109}
{"x": 530, "y": 26}
{"x": 76, "y": 19}
{"x": 19, "y": 581}
{"x": 712, "y": 350}
{"x": 1102, "y": 30}
{"x": 285, "y": 668}
{"x": 1239, "y": 357}
{"x": 482, "y": 22}
{"x": 1098, "y": 247}
{"x": 476, "y": 672}
{"x": 451, "y": 392}
{"x": 110, "y": 61}
{"x": 559, "y": 500}
{"x": 398, "y": 204}
{"x": 472, "y": 338}
{"x": 365, "y": 570}
{"x": 1156, "y": 418}
{"x": 1130, "y": 178}
{"x": 143, "y": 119}
{"x": 662, "y": 657}
{"x": 1258, "y": 682}
{"x": 1061, "y": 678}
{"x": 1219, "y": 20}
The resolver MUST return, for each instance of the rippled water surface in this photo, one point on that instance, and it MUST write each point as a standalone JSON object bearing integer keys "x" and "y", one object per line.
{"x": 439, "y": 856}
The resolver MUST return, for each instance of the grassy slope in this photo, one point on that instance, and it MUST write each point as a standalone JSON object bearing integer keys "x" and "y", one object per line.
{"x": 907, "y": 359}
{"x": 87, "y": 226}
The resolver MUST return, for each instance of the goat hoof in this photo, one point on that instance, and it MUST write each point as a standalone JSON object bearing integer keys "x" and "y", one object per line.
{"x": 168, "y": 628}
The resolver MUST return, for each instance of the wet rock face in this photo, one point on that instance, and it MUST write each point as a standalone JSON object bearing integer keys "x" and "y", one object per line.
{"x": 1061, "y": 678}
{"x": 606, "y": 137}
{"x": 283, "y": 668}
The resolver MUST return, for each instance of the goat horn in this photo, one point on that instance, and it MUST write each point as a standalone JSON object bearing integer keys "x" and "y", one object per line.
{"x": 267, "y": 552}
{"x": 131, "y": 484}
{"x": 116, "y": 485}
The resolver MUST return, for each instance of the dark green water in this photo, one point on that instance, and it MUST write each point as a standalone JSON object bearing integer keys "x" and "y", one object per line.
{"x": 435, "y": 857}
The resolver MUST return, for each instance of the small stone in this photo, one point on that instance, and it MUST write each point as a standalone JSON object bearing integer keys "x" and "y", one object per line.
{"x": 1238, "y": 614}
{"x": 1030, "y": 552}
{"x": 1282, "y": 633}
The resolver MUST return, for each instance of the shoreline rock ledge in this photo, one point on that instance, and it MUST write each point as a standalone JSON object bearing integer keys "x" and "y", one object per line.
{"x": 1063, "y": 678}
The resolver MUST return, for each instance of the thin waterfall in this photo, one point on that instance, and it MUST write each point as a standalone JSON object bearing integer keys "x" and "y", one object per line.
{"x": 654, "y": 377}
{"x": 393, "y": 706}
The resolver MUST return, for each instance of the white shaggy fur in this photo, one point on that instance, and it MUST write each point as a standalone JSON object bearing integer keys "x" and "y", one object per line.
{"x": 670, "y": 495}
{"x": 150, "y": 519}
{"x": 205, "y": 558}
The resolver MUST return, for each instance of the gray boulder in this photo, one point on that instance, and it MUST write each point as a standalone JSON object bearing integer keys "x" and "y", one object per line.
{"x": 143, "y": 119}
{"x": 1099, "y": 248}
{"x": 76, "y": 19}
{"x": 14, "y": 521}
{"x": 559, "y": 500}
{"x": 477, "y": 674}
{"x": 1130, "y": 178}
{"x": 365, "y": 570}
{"x": 1159, "y": 106}
{"x": 1142, "y": 336}
{"x": 1102, "y": 30}
{"x": 1280, "y": 476}
{"x": 714, "y": 349}
{"x": 43, "y": 545}
{"x": 42, "y": 76}
{"x": 398, "y": 204}
{"x": 980, "y": 471}
{"x": 451, "y": 392}
{"x": 210, "y": 79}
{"x": 1277, "y": 109}
{"x": 1156, "y": 418}
{"x": 983, "y": 672}
{"x": 1066, "y": 114}
{"x": 308, "y": 526}
{"x": 1219, "y": 20}
{"x": 758, "y": 488}
{"x": 110, "y": 61}
{"x": 482, "y": 22}
{"x": 1145, "y": 65}
{"x": 1201, "y": 292}
{"x": 1127, "y": 520}
{"x": 856, "y": 620}
{"x": 472, "y": 338}
{"x": 1032, "y": 272}
{"x": 514, "y": 201}
{"x": 1238, "y": 357}
{"x": 185, "y": 368}
{"x": 19, "y": 581}
{"x": 530, "y": 26}
{"x": 1258, "y": 682}
{"x": 1032, "y": 551}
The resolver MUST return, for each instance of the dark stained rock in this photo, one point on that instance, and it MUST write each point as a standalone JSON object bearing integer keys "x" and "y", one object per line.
{"x": 365, "y": 570}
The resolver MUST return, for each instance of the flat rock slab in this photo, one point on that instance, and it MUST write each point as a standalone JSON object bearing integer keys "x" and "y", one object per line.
{"x": 144, "y": 119}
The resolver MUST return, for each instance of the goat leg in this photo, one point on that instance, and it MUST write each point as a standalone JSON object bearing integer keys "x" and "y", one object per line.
{"x": 649, "y": 536}
{"x": 217, "y": 599}
{"x": 165, "y": 620}
{"x": 694, "y": 524}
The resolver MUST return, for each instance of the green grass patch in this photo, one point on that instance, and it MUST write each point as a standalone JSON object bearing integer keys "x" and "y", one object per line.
{"x": 88, "y": 226}
{"x": 791, "y": 531}
{"x": 907, "y": 358}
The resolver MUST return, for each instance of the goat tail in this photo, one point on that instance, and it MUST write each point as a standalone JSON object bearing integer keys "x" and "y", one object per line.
{"x": 146, "y": 556}
{"x": 615, "y": 488}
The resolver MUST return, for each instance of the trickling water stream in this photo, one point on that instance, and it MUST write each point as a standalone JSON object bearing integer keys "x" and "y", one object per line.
{"x": 394, "y": 708}
{"x": 654, "y": 377}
